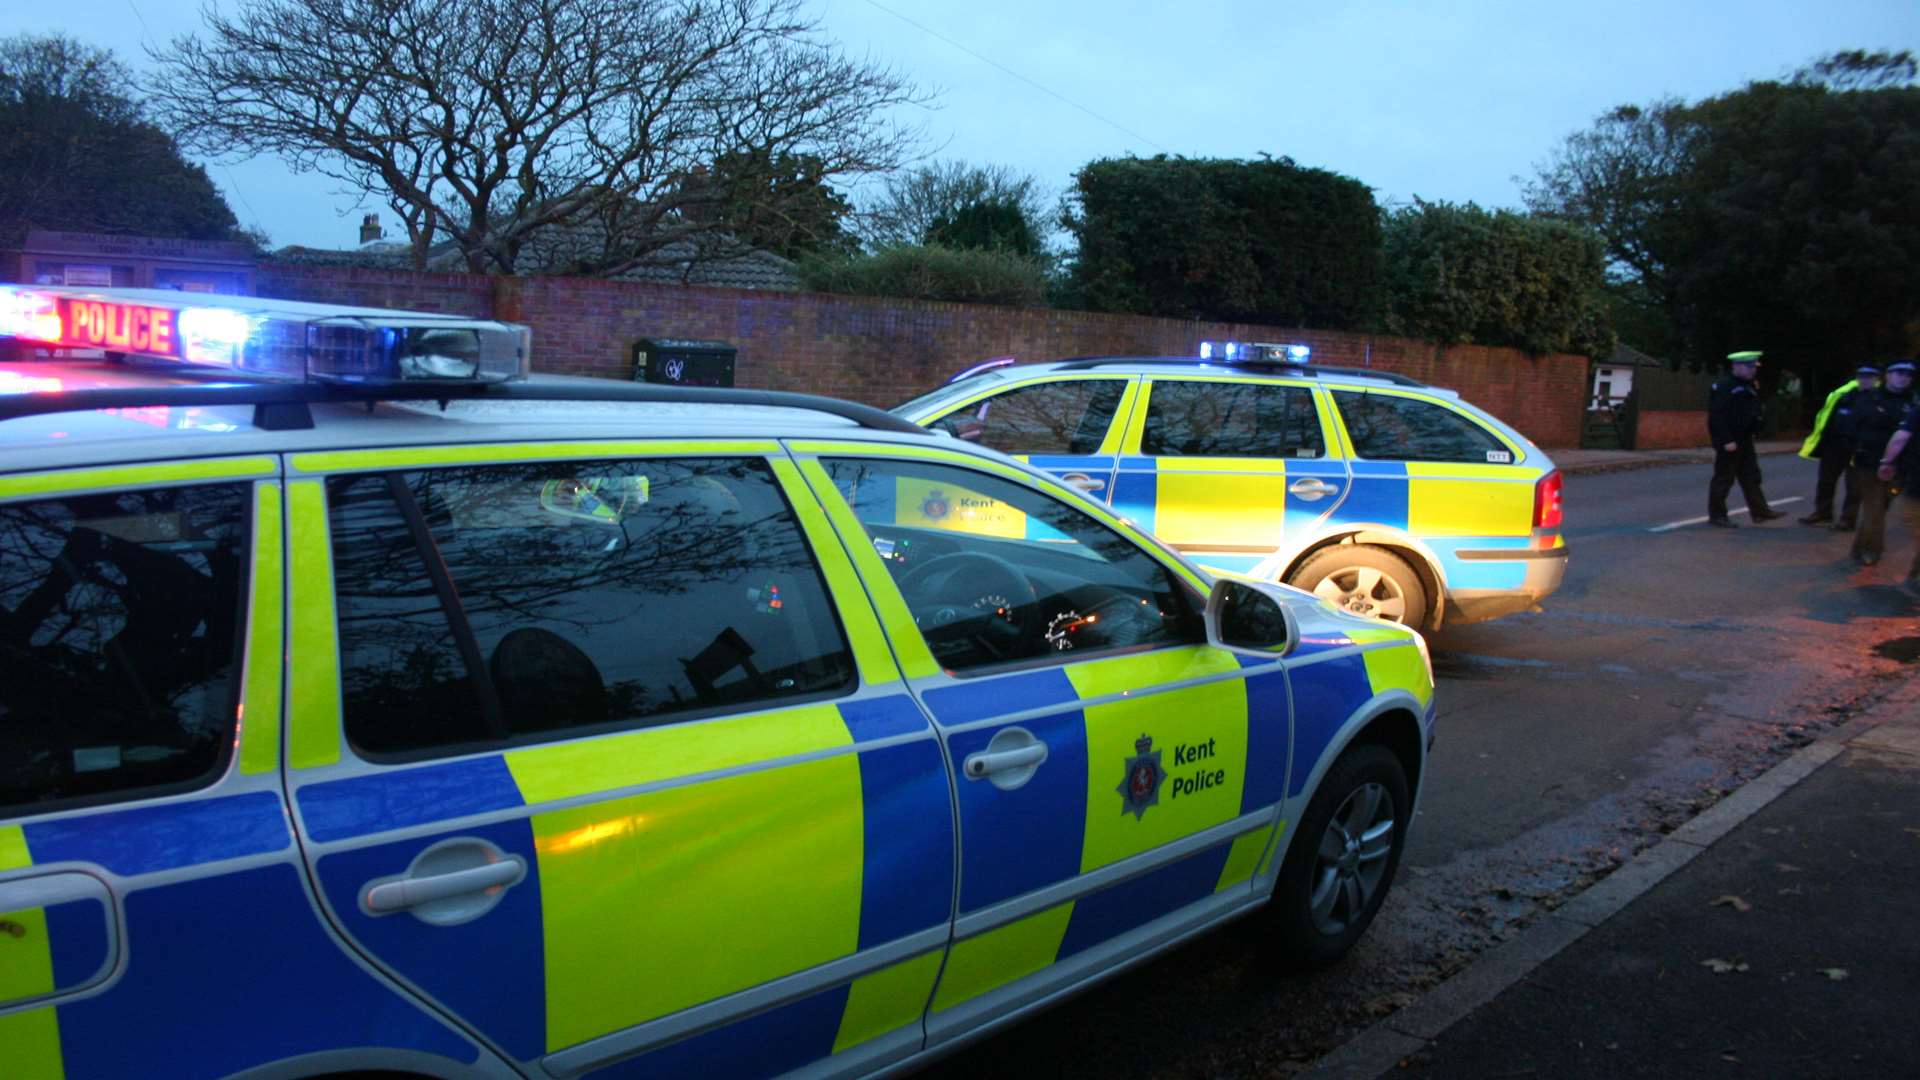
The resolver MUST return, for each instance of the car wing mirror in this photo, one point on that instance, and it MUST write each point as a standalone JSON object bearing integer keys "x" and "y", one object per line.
{"x": 1252, "y": 618}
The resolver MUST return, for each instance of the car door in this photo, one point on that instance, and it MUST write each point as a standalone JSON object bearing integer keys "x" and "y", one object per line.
{"x": 608, "y": 758}
{"x": 1119, "y": 777}
{"x": 1069, "y": 425}
{"x": 1226, "y": 469}
{"x": 1461, "y": 489}
{"x": 154, "y": 916}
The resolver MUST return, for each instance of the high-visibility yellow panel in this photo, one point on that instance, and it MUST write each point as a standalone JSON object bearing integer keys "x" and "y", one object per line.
{"x": 887, "y": 1000}
{"x": 313, "y": 678}
{"x": 29, "y": 1041}
{"x": 13, "y": 848}
{"x": 1191, "y": 742}
{"x": 30, "y": 1044}
{"x": 658, "y": 902}
{"x": 1398, "y": 669}
{"x": 584, "y": 766}
{"x": 1469, "y": 507}
{"x": 260, "y": 705}
{"x": 870, "y": 652}
{"x": 1243, "y": 510}
{"x": 1243, "y": 859}
{"x": 989, "y": 961}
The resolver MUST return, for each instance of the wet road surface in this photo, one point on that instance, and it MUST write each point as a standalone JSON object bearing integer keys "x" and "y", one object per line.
{"x": 1671, "y": 667}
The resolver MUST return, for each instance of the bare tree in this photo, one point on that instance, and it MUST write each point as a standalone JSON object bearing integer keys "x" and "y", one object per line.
{"x": 911, "y": 204}
{"x": 488, "y": 122}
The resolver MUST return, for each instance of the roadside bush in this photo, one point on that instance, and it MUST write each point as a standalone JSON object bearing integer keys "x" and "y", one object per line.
{"x": 931, "y": 272}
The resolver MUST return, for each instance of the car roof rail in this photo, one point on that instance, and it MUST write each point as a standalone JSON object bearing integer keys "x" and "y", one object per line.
{"x": 1263, "y": 367}
{"x": 287, "y": 406}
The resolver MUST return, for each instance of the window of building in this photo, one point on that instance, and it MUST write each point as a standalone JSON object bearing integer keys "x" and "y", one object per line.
{"x": 1388, "y": 427}
{"x": 502, "y": 604}
{"x": 1198, "y": 418}
{"x": 119, "y": 628}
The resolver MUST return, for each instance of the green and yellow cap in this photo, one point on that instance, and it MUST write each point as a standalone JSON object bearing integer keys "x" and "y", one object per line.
{"x": 1751, "y": 356}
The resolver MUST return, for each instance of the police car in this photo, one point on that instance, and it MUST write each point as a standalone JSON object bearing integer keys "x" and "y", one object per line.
{"x": 1383, "y": 495}
{"x": 368, "y": 705}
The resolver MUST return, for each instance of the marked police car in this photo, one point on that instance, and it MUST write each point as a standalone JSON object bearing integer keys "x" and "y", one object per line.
{"x": 368, "y": 705}
{"x": 1383, "y": 495}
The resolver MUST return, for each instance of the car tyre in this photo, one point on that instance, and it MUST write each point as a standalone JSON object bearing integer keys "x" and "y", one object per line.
{"x": 1365, "y": 580}
{"x": 1342, "y": 859}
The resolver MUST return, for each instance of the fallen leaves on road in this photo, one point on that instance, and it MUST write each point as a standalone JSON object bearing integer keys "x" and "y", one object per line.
{"x": 1721, "y": 967}
{"x": 1733, "y": 902}
{"x": 1836, "y": 974}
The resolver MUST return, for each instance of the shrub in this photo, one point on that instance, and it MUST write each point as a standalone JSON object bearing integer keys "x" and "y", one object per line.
{"x": 930, "y": 272}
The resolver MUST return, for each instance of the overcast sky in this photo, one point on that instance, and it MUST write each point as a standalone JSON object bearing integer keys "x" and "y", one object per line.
{"x": 1443, "y": 100}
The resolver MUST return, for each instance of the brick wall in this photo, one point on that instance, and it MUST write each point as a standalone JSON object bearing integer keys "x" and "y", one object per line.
{"x": 1671, "y": 429}
{"x": 883, "y": 351}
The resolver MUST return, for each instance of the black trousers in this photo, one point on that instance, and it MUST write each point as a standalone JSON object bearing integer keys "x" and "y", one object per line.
{"x": 1742, "y": 465}
{"x": 1835, "y": 462}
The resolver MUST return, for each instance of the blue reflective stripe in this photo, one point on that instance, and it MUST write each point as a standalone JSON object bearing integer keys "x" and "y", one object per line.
{"x": 1021, "y": 840}
{"x": 1071, "y": 462}
{"x": 1377, "y": 494}
{"x": 1135, "y": 495}
{"x": 236, "y": 971}
{"x": 907, "y": 880}
{"x": 1267, "y": 730}
{"x": 1138, "y": 901}
{"x": 146, "y": 839}
{"x": 977, "y": 699}
{"x": 399, "y": 798}
{"x": 491, "y": 972}
{"x": 767, "y": 1044}
{"x": 77, "y": 934}
{"x": 882, "y": 717}
{"x": 1324, "y": 695}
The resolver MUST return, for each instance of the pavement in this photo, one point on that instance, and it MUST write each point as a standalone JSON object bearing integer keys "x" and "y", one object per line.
{"x": 1593, "y": 461}
{"x": 1770, "y": 936}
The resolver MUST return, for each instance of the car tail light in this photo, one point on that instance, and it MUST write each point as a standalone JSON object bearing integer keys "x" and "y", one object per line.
{"x": 1546, "y": 501}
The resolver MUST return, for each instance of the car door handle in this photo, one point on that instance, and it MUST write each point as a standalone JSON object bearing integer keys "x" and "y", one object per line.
{"x": 1311, "y": 488}
{"x": 986, "y": 763}
{"x": 406, "y": 893}
{"x": 1083, "y": 481}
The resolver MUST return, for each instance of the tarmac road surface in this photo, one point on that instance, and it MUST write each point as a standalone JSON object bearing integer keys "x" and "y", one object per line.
{"x": 1677, "y": 662}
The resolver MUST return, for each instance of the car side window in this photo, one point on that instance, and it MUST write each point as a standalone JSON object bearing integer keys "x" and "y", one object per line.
{"x": 1201, "y": 418}
{"x": 1069, "y": 416}
{"x": 997, "y": 573}
{"x": 1388, "y": 427}
{"x": 119, "y": 642}
{"x": 504, "y": 604}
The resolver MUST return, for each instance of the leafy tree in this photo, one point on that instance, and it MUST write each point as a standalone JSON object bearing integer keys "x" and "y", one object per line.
{"x": 1257, "y": 241}
{"x": 932, "y": 273}
{"x": 913, "y": 204}
{"x": 75, "y": 152}
{"x": 485, "y": 122}
{"x": 1463, "y": 274}
{"x": 1777, "y": 216}
{"x": 994, "y": 224}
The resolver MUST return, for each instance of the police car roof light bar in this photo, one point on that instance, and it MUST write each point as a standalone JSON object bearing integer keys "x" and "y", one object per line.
{"x": 283, "y": 406}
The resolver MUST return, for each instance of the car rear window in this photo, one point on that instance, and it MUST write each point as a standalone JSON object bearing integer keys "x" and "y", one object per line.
{"x": 1390, "y": 427}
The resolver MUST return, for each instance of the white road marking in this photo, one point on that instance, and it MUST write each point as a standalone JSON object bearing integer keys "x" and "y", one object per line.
{"x": 1672, "y": 525}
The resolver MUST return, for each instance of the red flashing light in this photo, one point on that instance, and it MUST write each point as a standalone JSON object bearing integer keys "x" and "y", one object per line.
{"x": 1546, "y": 501}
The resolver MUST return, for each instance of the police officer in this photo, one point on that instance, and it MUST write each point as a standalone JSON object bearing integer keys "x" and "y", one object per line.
{"x": 1876, "y": 416}
{"x": 1900, "y": 466}
{"x": 1733, "y": 414}
{"x": 1831, "y": 444}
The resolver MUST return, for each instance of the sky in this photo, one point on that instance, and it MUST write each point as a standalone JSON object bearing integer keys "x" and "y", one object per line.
{"x": 1453, "y": 100}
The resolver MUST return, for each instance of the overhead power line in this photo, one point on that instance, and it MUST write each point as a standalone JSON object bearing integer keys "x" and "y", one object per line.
{"x": 990, "y": 62}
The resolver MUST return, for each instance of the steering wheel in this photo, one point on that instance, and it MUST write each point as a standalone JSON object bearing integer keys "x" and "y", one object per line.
{"x": 944, "y": 593}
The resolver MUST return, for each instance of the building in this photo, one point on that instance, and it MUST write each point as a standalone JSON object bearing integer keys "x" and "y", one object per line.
{"x": 50, "y": 257}
{"x": 1613, "y": 377}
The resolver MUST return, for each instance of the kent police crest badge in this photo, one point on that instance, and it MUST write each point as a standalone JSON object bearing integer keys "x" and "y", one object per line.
{"x": 1140, "y": 788}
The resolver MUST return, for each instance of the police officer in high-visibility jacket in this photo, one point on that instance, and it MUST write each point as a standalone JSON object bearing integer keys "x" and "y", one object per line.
{"x": 1733, "y": 415}
{"x": 1832, "y": 445}
{"x": 1876, "y": 417}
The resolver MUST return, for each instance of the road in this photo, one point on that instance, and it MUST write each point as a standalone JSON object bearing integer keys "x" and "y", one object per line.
{"x": 1675, "y": 663}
